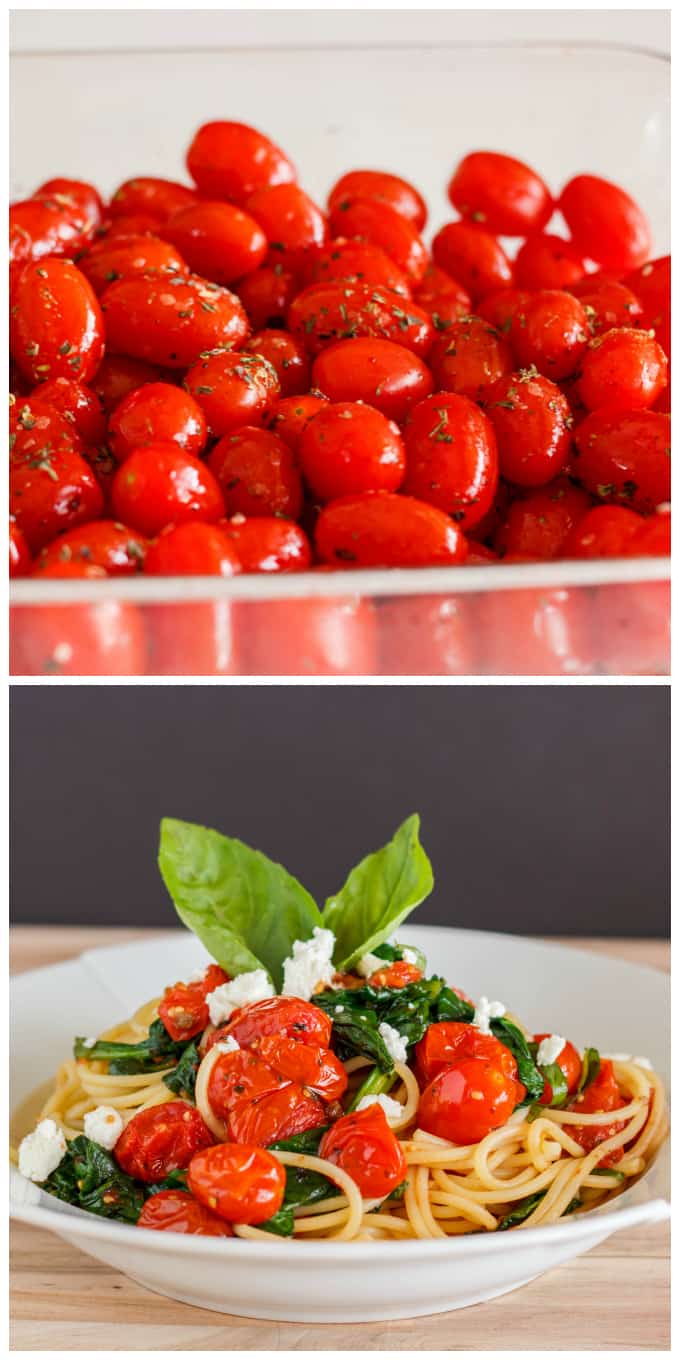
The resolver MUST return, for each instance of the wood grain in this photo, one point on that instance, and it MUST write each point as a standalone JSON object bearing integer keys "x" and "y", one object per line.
{"x": 615, "y": 1298}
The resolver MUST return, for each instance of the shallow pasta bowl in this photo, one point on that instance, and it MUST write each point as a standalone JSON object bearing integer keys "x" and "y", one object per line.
{"x": 593, "y": 999}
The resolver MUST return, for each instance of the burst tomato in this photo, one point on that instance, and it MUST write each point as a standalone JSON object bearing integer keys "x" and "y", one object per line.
{"x": 161, "y": 1139}
{"x": 283, "y": 1015}
{"x": 241, "y": 1184}
{"x": 603, "y": 1094}
{"x": 363, "y": 1145}
{"x": 449, "y": 1041}
{"x": 256, "y": 1103}
{"x": 466, "y": 1101}
{"x": 178, "y": 1211}
{"x": 183, "y": 1007}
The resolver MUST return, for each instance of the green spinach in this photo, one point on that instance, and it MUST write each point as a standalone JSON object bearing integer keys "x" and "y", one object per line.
{"x": 157, "y": 1050}
{"x": 88, "y": 1177}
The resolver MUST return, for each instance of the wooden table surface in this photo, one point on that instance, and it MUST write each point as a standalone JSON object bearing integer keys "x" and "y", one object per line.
{"x": 615, "y": 1298}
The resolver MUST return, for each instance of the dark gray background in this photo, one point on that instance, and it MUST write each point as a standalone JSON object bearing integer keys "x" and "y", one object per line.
{"x": 544, "y": 809}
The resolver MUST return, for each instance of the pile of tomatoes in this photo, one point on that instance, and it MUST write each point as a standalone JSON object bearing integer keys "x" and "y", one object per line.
{"x": 227, "y": 378}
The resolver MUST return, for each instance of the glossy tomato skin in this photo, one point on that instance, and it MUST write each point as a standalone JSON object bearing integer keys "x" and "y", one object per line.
{"x": 547, "y": 261}
{"x": 56, "y": 327}
{"x": 537, "y": 525}
{"x": 651, "y": 284}
{"x": 193, "y": 549}
{"x": 474, "y": 257}
{"x": 466, "y": 1101}
{"x": 39, "y": 227}
{"x": 624, "y": 369}
{"x": 384, "y": 188}
{"x": 653, "y": 538}
{"x": 232, "y": 160}
{"x": 117, "y": 376}
{"x": 370, "y": 220}
{"x": 127, "y": 257}
{"x": 442, "y": 297}
{"x": 289, "y": 416}
{"x": 83, "y": 197}
{"x": 532, "y": 421}
{"x": 154, "y": 197}
{"x": 551, "y": 331}
{"x": 363, "y": 1145}
{"x": 469, "y": 356}
{"x": 605, "y": 531}
{"x": 268, "y": 544}
{"x": 294, "y": 226}
{"x": 502, "y": 193}
{"x": 161, "y": 484}
{"x": 130, "y": 224}
{"x": 315, "y": 1068}
{"x": 448, "y": 1041}
{"x": 183, "y": 1007}
{"x": 500, "y": 307}
{"x": 233, "y": 390}
{"x": 288, "y": 1016}
{"x": 20, "y": 560}
{"x": 605, "y": 222}
{"x": 607, "y": 303}
{"x": 161, "y": 1139}
{"x": 380, "y": 373}
{"x": 398, "y": 975}
{"x": 309, "y": 637}
{"x": 218, "y": 241}
{"x": 178, "y": 1211}
{"x": 381, "y": 529}
{"x": 287, "y": 356}
{"x": 157, "y": 413}
{"x": 327, "y": 312}
{"x": 257, "y": 1103}
{"x": 624, "y": 456}
{"x": 78, "y": 404}
{"x": 569, "y": 1063}
{"x": 51, "y": 491}
{"x": 241, "y": 1184}
{"x": 349, "y": 448}
{"x": 171, "y": 324}
{"x": 451, "y": 457}
{"x": 601, "y": 1094}
{"x": 257, "y": 473}
{"x": 356, "y": 261}
{"x": 103, "y": 543}
{"x": 266, "y": 295}
{"x": 95, "y": 639}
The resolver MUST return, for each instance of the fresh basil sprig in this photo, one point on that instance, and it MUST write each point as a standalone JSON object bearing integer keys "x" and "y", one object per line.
{"x": 590, "y": 1067}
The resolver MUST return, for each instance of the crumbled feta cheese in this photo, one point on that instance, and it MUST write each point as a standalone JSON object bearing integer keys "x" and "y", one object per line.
{"x": 485, "y": 1011}
{"x": 393, "y": 1110}
{"x": 104, "y": 1126}
{"x": 339, "y": 1010}
{"x": 410, "y": 956}
{"x": 196, "y": 975}
{"x": 394, "y": 1042}
{"x": 309, "y": 965}
{"x": 40, "y": 1152}
{"x": 89, "y": 1043}
{"x": 241, "y": 991}
{"x": 549, "y": 1050}
{"x": 370, "y": 963}
{"x": 228, "y": 1045}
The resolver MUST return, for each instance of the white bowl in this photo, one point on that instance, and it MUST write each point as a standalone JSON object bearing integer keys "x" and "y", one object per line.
{"x": 591, "y": 998}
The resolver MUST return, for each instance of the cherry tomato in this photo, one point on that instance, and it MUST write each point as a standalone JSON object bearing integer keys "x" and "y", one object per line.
{"x": 257, "y": 473}
{"x": 503, "y": 193}
{"x": 183, "y": 1008}
{"x": 443, "y": 297}
{"x": 309, "y": 637}
{"x": 550, "y": 331}
{"x": 534, "y": 632}
{"x": 363, "y": 1145}
{"x": 161, "y": 484}
{"x": 99, "y": 639}
{"x": 604, "y": 531}
{"x": 605, "y": 222}
{"x": 653, "y": 538}
{"x": 469, "y": 357}
{"x": 257, "y": 1103}
{"x": 427, "y": 635}
{"x": 161, "y": 1139}
{"x": 78, "y": 404}
{"x": 232, "y": 161}
{"x": 532, "y": 421}
{"x": 51, "y": 489}
{"x": 39, "y": 227}
{"x": 192, "y": 639}
{"x": 381, "y": 529}
{"x": 241, "y": 1184}
{"x": 537, "y": 525}
{"x": 625, "y": 456}
{"x": 218, "y": 241}
{"x": 159, "y": 198}
{"x": 651, "y": 284}
{"x": 569, "y": 1063}
{"x": 370, "y": 220}
{"x": 447, "y": 1042}
{"x": 56, "y": 327}
{"x": 601, "y": 1094}
{"x": 292, "y": 223}
{"x": 327, "y": 312}
{"x": 157, "y": 413}
{"x": 289, "y": 416}
{"x": 233, "y": 390}
{"x": 548, "y": 262}
{"x": 129, "y": 257}
{"x": 171, "y": 322}
{"x": 451, "y": 457}
{"x": 177, "y": 1211}
{"x": 287, "y": 356}
{"x": 266, "y": 295}
{"x": 474, "y": 257}
{"x": 193, "y": 549}
{"x": 349, "y": 448}
{"x": 130, "y": 224}
{"x": 500, "y": 307}
{"x": 287, "y": 1016}
{"x": 465, "y": 1102}
{"x": 384, "y": 188}
{"x": 103, "y": 543}
{"x": 607, "y": 303}
{"x": 117, "y": 376}
{"x": 77, "y": 194}
{"x": 268, "y": 544}
{"x": 20, "y": 561}
{"x": 357, "y": 262}
{"x": 313, "y": 1067}
{"x": 398, "y": 975}
{"x": 623, "y": 369}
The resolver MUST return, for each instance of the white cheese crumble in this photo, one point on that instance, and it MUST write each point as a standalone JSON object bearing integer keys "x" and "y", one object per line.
{"x": 393, "y": 1110}
{"x": 549, "y": 1050}
{"x": 104, "y": 1126}
{"x": 89, "y": 1043}
{"x": 309, "y": 965}
{"x": 370, "y": 963}
{"x": 339, "y": 1010}
{"x": 228, "y": 1045}
{"x": 40, "y": 1152}
{"x": 196, "y": 975}
{"x": 241, "y": 991}
{"x": 394, "y": 1042}
{"x": 410, "y": 956}
{"x": 485, "y": 1011}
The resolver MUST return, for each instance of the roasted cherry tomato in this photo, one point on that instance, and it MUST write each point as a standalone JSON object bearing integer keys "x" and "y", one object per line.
{"x": 171, "y": 323}
{"x": 569, "y": 1063}
{"x": 287, "y": 356}
{"x": 356, "y": 261}
{"x": 624, "y": 456}
{"x": 651, "y": 284}
{"x": 118, "y": 376}
{"x": 20, "y": 561}
{"x": 469, "y": 356}
{"x": 502, "y": 193}
{"x": 289, "y": 416}
{"x": 268, "y": 544}
{"x": 398, "y": 974}
{"x": 130, "y": 224}
{"x": 161, "y": 1139}
{"x": 233, "y": 390}
{"x": 56, "y": 327}
{"x": 288, "y": 1016}
{"x": 349, "y": 448}
{"x": 653, "y": 538}
{"x": 443, "y": 297}
{"x": 500, "y": 307}
{"x": 39, "y": 227}
{"x": 466, "y": 1101}
{"x": 384, "y": 188}
{"x": 368, "y": 219}
{"x": 623, "y": 370}
{"x": 178, "y": 1211}
{"x": 159, "y": 198}
{"x": 550, "y": 331}
{"x": 603, "y": 1094}
{"x": 607, "y": 303}
{"x": 77, "y": 194}
{"x": 266, "y": 295}
{"x": 605, "y": 531}
{"x": 294, "y": 226}
{"x": 451, "y": 457}
{"x": 52, "y": 488}
{"x": 313, "y": 1067}
{"x": 241, "y": 1184}
{"x": 449, "y": 1041}
{"x": 381, "y": 529}
{"x": 103, "y": 543}
{"x": 538, "y": 524}
{"x": 183, "y": 1008}
{"x": 193, "y": 549}
{"x": 65, "y": 639}
{"x": 157, "y": 412}
{"x": 532, "y": 421}
{"x": 605, "y": 222}
{"x": 257, "y": 473}
{"x": 472, "y": 256}
{"x": 327, "y": 312}
{"x": 218, "y": 241}
{"x": 78, "y": 404}
{"x": 309, "y": 637}
{"x": 256, "y": 1103}
{"x": 231, "y": 161}
{"x": 378, "y": 372}
{"x": 548, "y": 262}
{"x": 363, "y": 1145}
{"x": 161, "y": 484}
{"x": 126, "y": 257}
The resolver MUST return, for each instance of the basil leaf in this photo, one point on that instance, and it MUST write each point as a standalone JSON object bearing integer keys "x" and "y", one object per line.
{"x": 590, "y": 1067}
{"x": 521, "y": 1211}
{"x": 282, "y": 1223}
{"x": 527, "y": 1070}
{"x": 378, "y": 894}
{"x": 558, "y": 1084}
{"x": 246, "y": 910}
